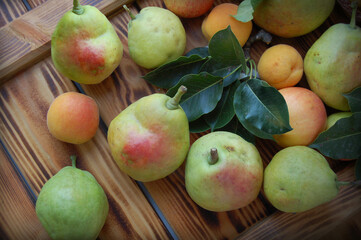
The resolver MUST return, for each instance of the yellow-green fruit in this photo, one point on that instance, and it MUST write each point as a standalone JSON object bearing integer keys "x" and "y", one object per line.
{"x": 155, "y": 36}
{"x": 333, "y": 118}
{"x": 223, "y": 172}
{"x": 150, "y": 138}
{"x": 333, "y": 64}
{"x": 72, "y": 205}
{"x": 299, "y": 178}
{"x": 292, "y": 18}
{"x": 84, "y": 46}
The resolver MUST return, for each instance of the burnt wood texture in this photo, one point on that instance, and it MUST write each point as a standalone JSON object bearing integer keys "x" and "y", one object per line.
{"x": 161, "y": 209}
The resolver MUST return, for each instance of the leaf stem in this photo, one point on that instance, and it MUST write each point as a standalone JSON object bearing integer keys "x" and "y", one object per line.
{"x": 251, "y": 71}
{"x": 254, "y": 66}
{"x": 77, "y": 8}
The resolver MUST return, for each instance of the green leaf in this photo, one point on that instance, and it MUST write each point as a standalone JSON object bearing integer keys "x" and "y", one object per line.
{"x": 342, "y": 140}
{"x": 354, "y": 99}
{"x": 199, "y": 51}
{"x": 245, "y": 10}
{"x": 358, "y": 169}
{"x": 225, "y": 48}
{"x": 199, "y": 125}
{"x": 261, "y": 109}
{"x": 229, "y": 73}
{"x": 236, "y": 127}
{"x": 224, "y": 111}
{"x": 169, "y": 74}
{"x": 204, "y": 92}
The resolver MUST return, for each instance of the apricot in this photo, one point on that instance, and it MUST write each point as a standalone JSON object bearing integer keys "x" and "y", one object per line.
{"x": 220, "y": 18}
{"x": 73, "y": 118}
{"x": 307, "y": 116}
{"x": 281, "y": 66}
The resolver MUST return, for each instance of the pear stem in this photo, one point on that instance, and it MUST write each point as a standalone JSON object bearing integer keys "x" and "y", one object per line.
{"x": 129, "y": 12}
{"x": 353, "y": 16}
{"x": 73, "y": 160}
{"x": 214, "y": 156}
{"x": 77, "y": 8}
{"x": 354, "y": 183}
{"x": 173, "y": 103}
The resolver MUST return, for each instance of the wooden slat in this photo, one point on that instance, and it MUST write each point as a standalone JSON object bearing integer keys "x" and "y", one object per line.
{"x": 35, "y": 3}
{"x": 26, "y": 40}
{"x": 23, "y": 104}
{"x": 18, "y": 219}
{"x": 124, "y": 87}
{"x": 39, "y": 156}
{"x": 315, "y": 223}
{"x": 9, "y": 10}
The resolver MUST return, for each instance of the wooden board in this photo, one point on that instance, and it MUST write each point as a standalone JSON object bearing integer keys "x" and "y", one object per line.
{"x": 161, "y": 209}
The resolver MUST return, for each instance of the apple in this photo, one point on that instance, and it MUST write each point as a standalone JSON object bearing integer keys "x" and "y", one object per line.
{"x": 73, "y": 118}
{"x": 189, "y": 8}
{"x": 223, "y": 172}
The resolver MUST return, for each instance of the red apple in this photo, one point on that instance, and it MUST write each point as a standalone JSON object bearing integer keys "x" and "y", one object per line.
{"x": 189, "y": 8}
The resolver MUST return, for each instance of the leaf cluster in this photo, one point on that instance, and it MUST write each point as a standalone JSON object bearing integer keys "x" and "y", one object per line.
{"x": 224, "y": 90}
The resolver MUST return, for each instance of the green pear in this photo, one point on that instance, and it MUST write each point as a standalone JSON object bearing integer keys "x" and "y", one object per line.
{"x": 150, "y": 138}
{"x": 72, "y": 205}
{"x": 85, "y": 46}
{"x": 223, "y": 172}
{"x": 291, "y": 18}
{"x": 299, "y": 178}
{"x": 155, "y": 36}
{"x": 334, "y": 117}
{"x": 332, "y": 64}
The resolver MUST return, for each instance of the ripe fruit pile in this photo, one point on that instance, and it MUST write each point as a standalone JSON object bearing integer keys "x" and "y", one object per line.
{"x": 215, "y": 86}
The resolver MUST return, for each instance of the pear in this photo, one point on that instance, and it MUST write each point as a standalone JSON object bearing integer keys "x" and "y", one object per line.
{"x": 72, "y": 205}
{"x": 155, "y": 36}
{"x": 223, "y": 172}
{"x": 150, "y": 138}
{"x": 299, "y": 178}
{"x": 85, "y": 46}
{"x": 333, "y": 64}
{"x": 291, "y": 18}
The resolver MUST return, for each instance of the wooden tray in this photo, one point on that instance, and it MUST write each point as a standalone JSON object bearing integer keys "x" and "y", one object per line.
{"x": 157, "y": 210}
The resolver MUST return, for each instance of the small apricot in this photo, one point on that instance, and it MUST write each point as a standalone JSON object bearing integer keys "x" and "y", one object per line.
{"x": 220, "y": 18}
{"x": 281, "y": 66}
{"x": 73, "y": 118}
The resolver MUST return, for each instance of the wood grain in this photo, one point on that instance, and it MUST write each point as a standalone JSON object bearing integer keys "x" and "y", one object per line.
{"x": 39, "y": 156}
{"x": 24, "y": 101}
{"x": 26, "y": 40}
{"x": 10, "y": 10}
{"x": 124, "y": 87}
{"x": 18, "y": 219}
